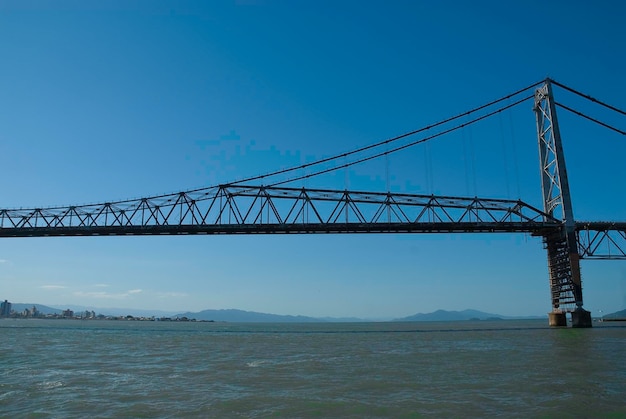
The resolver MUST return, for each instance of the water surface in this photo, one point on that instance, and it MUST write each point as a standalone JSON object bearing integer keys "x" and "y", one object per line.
{"x": 67, "y": 368}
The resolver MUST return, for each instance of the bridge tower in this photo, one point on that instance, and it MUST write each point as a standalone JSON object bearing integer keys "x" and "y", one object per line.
{"x": 561, "y": 246}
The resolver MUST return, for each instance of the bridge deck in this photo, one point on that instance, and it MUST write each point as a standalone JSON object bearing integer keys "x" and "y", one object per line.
{"x": 537, "y": 229}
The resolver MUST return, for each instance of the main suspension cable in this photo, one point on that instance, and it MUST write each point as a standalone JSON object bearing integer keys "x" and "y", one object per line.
{"x": 588, "y": 97}
{"x": 567, "y": 108}
{"x": 381, "y": 143}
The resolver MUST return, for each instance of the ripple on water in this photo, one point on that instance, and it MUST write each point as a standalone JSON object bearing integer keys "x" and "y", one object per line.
{"x": 48, "y": 385}
{"x": 125, "y": 370}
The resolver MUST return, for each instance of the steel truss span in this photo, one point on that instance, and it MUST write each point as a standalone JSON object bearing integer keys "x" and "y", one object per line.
{"x": 232, "y": 209}
{"x": 240, "y": 209}
{"x": 601, "y": 240}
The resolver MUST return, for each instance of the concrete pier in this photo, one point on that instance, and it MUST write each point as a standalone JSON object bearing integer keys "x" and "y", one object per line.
{"x": 557, "y": 319}
{"x": 581, "y": 318}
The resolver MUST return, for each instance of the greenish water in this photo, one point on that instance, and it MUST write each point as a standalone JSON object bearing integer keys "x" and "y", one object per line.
{"x": 64, "y": 368}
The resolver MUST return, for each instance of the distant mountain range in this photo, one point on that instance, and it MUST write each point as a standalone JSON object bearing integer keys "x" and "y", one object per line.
{"x": 618, "y": 315}
{"x": 253, "y": 317}
{"x": 242, "y": 316}
{"x": 443, "y": 315}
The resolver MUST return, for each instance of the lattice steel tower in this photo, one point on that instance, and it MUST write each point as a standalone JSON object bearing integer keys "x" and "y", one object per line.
{"x": 561, "y": 245}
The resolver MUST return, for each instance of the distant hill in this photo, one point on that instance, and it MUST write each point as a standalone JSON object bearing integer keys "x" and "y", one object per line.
{"x": 443, "y": 315}
{"x": 233, "y": 315}
{"x": 618, "y": 315}
{"x": 241, "y": 316}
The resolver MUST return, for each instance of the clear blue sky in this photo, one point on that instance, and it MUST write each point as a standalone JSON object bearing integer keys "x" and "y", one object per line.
{"x": 117, "y": 99}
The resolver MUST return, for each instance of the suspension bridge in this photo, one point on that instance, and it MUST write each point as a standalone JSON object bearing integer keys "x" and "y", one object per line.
{"x": 274, "y": 207}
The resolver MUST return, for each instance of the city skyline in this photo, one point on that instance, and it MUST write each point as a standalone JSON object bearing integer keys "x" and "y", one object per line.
{"x": 110, "y": 101}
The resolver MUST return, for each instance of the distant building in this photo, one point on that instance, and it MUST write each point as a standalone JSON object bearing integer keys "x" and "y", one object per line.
{"x": 67, "y": 313}
{"x": 32, "y": 312}
{"x": 5, "y": 309}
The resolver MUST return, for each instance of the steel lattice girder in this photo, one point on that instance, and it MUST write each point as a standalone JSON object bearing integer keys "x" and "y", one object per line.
{"x": 601, "y": 240}
{"x": 230, "y": 209}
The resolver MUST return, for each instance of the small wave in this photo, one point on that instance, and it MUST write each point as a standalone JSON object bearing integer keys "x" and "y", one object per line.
{"x": 46, "y": 385}
{"x": 278, "y": 362}
{"x": 255, "y": 364}
{"x": 8, "y": 394}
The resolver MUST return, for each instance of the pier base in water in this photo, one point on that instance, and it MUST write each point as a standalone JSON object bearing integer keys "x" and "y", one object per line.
{"x": 581, "y": 318}
{"x": 557, "y": 319}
